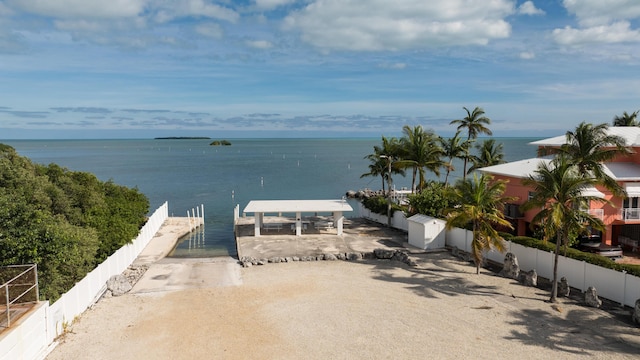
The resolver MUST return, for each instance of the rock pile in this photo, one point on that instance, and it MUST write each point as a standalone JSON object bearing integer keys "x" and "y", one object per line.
{"x": 380, "y": 254}
{"x": 591, "y": 298}
{"x": 511, "y": 269}
{"x": 121, "y": 284}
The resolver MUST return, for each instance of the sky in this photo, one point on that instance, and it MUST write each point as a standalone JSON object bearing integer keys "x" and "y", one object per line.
{"x": 312, "y": 68}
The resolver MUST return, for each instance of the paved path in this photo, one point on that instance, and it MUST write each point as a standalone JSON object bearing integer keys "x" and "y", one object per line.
{"x": 172, "y": 274}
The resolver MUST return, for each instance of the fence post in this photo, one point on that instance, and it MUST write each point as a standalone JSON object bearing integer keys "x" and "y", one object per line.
{"x": 624, "y": 287}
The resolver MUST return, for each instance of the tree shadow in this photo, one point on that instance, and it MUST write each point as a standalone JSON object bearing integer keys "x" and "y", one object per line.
{"x": 579, "y": 332}
{"x": 437, "y": 278}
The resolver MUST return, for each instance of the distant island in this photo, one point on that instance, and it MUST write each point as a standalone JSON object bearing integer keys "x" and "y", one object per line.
{"x": 220, "y": 142}
{"x": 183, "y": 138}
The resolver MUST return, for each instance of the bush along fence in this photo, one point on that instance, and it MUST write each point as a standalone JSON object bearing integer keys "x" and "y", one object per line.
{"x": 35, "y": 334}
{"x": 619, "y": 286}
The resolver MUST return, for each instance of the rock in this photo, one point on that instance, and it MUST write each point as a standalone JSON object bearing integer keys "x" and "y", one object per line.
{"x": 320, "y": 257}
{"x": 118, "y": 285}
{"x": 383, "y": 253}
{"x": 295, "y": 258}
{"x": 330, "y": 257}
{"x": 341, "y": 256}
{"x": 354, "y": 256}
{"x": 511, "y": 269}
{"x": 246, "y": 264}
{"x": 351, "y": 194}
{"x": 636, "y": 313}
{"x": 563, "y": 287}
{"x": 530, "y": 278}
{"x": 591, "y": 298}
{"x": 455, "y": 251}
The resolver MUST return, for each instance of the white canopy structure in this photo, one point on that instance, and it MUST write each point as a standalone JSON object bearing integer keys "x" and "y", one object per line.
{"x": 261, "y": 207}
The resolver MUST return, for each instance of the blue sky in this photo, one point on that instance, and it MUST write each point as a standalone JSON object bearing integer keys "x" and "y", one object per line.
{"x": 266, "y": 68}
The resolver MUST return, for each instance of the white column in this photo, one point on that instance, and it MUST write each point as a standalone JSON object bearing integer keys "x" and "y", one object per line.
{"x": 338, "y": 220}
{"x": 298, "y": 224}
{"x": 258, "y": 223}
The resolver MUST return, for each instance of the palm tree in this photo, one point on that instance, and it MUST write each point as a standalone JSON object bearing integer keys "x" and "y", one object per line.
{"x": 489, "y": 154}
{"x": 558, "y": 189}
{"x": 453, "y": 147}
{"x": 481, "y": 203}
{"x": 626, "y": 119}
{"x": 475, "y": 122}
{"x": 379, "y": 165}
{"x": 420, "y": 152}
{"x": 589, "y": 147}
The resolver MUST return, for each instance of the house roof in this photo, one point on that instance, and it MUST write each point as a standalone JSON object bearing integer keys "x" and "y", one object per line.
{"x": 276, "y": 206}
{"x": 631, "y": 135}
{"x": 519, "y": 169}
{"x": 623, "y": 171}
{"x": 620, "y": 171}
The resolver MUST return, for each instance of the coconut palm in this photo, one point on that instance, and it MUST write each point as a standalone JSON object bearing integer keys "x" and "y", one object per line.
{"x": 420, "y": 152}
{"x": 558, "y": 189}
{"x": 481, "y": 203}
{"x": 626, "y": 119}
{"x": 475, "y": 122}
{"x": 589, "y": 147}
{"x": 489, "y": 154}
{"x": 379, "y": 165}
{"x": 453, "y": 148}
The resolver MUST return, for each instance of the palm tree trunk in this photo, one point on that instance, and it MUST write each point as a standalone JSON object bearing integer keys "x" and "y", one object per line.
{"x": 413, "y": 181}
{"x": 446, "y": 178}
{"x": 554, "y": 283}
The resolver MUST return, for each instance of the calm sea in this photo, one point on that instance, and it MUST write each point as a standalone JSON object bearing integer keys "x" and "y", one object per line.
{"x": 187, "y": 173}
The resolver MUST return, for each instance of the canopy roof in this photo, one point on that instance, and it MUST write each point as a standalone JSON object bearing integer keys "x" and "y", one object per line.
{"x": 277, "y": 206}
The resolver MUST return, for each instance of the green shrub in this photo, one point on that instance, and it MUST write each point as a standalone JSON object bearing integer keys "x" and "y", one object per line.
{"x": 66, "y": 222}
{"x": 576, "y": 254}
{"x": 431, "y": 200}
{"x": 378, "y": 205}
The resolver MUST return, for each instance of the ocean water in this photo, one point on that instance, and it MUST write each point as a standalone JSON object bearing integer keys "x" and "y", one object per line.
{"x": 187, "y": 173}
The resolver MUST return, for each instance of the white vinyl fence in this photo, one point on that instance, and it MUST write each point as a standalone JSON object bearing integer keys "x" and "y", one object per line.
{"x": 398, "y": 221}
{"x": 31, "y": 338}
{"x": 610, "y": 284}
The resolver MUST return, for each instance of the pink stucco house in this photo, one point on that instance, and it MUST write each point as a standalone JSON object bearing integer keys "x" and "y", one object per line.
{"x": 621, "y": 218}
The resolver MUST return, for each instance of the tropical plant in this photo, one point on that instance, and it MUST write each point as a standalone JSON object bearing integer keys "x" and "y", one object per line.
{"x": 589, "y": 147}
{"x": 480, "y": 202}
{"x": 453, "y": 148}
{"x": 489, "y": 154}
{"x": 420, "y": 151}
{"x": 558, "y": 190}
{"x": 379, "y": 160}
{"x": 626, "y": 119}
{"x": 475, "y": 122}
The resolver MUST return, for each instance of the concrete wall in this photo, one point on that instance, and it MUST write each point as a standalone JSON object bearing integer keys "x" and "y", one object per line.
{"x": 31, "y": 337}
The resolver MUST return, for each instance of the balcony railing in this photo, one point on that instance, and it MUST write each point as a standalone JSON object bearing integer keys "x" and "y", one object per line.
{"x": 630, "y": 214}
{"x": 597, "y": 213}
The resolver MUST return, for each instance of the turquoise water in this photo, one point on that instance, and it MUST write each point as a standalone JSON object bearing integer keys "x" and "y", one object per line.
{"x": 187, "y": 173}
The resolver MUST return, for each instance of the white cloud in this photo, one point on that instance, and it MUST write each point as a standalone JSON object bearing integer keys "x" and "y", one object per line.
{"x": 599, "y": 12}
{"x": 527, "y": 55}
{"x": 211, "y": 30}
{"x": 272, "y": 4}
{"x": 259, "y": 44}
{"x": 528, "y": 8}
{"x": 394, "y": 66}
{"x": 380, "y": 25}
{"x": 169, "y": 10}
{"x": 66, "y": 9}
{"x": 615, "y": 33}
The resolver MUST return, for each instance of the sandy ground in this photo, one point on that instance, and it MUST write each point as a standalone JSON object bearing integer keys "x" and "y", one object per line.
{"x": 350, "y": 310}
